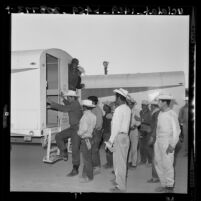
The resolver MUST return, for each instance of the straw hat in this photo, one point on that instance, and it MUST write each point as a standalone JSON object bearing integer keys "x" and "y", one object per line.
{"x": 70, "y": 93}
{"x": 88, "y": 103}
{"x": 122, "y": 92}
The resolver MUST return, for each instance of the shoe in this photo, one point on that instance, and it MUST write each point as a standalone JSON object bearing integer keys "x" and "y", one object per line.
{"x": 160, "y": 189}
{"x": 113, "y": 181}
{"x": 64, "y": 155}
{"x": 169, "y": 189}
{"x": 96, "y": 171}
{"x": 85, "y": 180}
{"x": 73, "y": 173}
{"x": 116, "y": 190}
{"x": 107, "y": 166}
{"x": 148, "y": 165}
{"x": 113, "y": 172}
{"x": 153, "y": 180}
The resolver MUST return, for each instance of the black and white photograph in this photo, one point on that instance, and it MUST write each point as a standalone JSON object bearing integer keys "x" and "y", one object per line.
{"x": 99, "y": 103}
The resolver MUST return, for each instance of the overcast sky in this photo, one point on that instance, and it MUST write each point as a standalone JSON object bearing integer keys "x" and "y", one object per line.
{"x": 131, "y": 43}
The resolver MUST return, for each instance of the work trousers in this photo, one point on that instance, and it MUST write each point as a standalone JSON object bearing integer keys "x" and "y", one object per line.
{"x": 120, "y": 154}
{"x": 164, "y": 162}
{"x": 109, "y": 157}
{"x": 154, "y": 173}
{"x": 96, "y": 140}
{"x": 63, "y": 136}
{"x": 133, "y": 151}
{"x": 145, "y": 151}
{"x": 87, "y": 159}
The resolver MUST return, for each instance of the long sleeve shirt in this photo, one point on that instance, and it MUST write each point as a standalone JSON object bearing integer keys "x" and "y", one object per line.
{"x": 168, "y": 127}
{"x": 120, "y": 121}
{"x": 87, "y": 124}
{"x": 134, "y": 122}
{"x": 99, "y": 117}
{"x": 74, "y": 111}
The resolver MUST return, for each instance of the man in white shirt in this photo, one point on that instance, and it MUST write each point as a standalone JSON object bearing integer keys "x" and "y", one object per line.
{"x": 119, "y": 140}
{"x": 86, "y": 127}
{"x": 133, "y": 134}
{"x": 167, "y": 136}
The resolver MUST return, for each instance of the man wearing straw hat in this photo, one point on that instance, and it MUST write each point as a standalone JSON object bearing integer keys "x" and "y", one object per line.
{"x": 73, "y": 107}
{"x": 119, "y": 139}
{"x": 167, "y": 136}
{"x": 86, "y": 127}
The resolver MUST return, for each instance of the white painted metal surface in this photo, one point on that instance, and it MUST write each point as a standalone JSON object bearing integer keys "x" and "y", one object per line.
{"x": 28, "y": 90}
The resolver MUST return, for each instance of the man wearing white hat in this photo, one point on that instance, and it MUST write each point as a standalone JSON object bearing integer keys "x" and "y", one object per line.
{"x": 167, "y": 136}
{"x": 86, "y": 127}
{"x": 119, "y": 140}
{"x": 73, "y": 107}
{"x": 183, "y": 120}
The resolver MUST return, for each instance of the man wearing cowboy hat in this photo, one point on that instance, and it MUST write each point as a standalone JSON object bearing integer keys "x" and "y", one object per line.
{"x": 86, "y": 127}
{"x": 74, "y": 75}
{"x": 154, "y": 114}
{"x": 119, "y": 140}
{"x": 72, "y": 106}
{"x": 167, "y": 136}
{"x": 183, "y": 120}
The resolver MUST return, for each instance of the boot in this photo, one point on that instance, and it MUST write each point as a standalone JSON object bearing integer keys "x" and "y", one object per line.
{"x": 74, "y": 171}
{"x": 64, "y": 154}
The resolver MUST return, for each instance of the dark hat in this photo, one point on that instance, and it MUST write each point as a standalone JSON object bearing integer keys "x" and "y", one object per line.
{"x": 93, "y": 98}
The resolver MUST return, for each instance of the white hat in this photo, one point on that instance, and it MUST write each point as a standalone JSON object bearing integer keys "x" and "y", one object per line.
{"x": 88, "y": 103}
{"x": 81, "y": 69}
{"x": 154, "y": 102}
{"x": 70, "y": 93}
{"x": 122, "y": 92}
{"x": 165, "y": 97}
{"x": 186, "y": 98}
{"x": 145, "y": 102}
{"x": 108, "y": 103}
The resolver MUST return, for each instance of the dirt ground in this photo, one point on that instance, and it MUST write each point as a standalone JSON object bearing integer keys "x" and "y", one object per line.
{"x": 29, "y": 173}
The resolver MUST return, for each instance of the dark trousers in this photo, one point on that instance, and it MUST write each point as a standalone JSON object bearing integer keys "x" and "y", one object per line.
{"x": 109, "y": 156}
{"x": 63, "y": 136}
{"x": 154, "y": 173}
{"x": 87, "y": 160}
{"x": 96, "y": 140}
{"x": 145, "y": 151}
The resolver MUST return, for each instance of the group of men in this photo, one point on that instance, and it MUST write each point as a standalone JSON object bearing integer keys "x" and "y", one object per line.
{"x": 131, "y": 137}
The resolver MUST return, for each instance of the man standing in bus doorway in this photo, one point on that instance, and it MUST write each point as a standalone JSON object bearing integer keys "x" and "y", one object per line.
{"x": 74, "y": 75}
{"x": 167, "y": 136}
{"x": 183, "y": 120}
{"x": 73, "y": 107}
{"x": 97, "y": 135}
{"x": 119, "y": 139}
{"x": 145, "y": 131}
{"x": 133, "y": 133}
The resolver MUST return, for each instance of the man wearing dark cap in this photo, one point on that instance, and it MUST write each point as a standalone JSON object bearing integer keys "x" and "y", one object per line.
{"x": 97, "y": 135}
{"x": 74, "y": 75}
